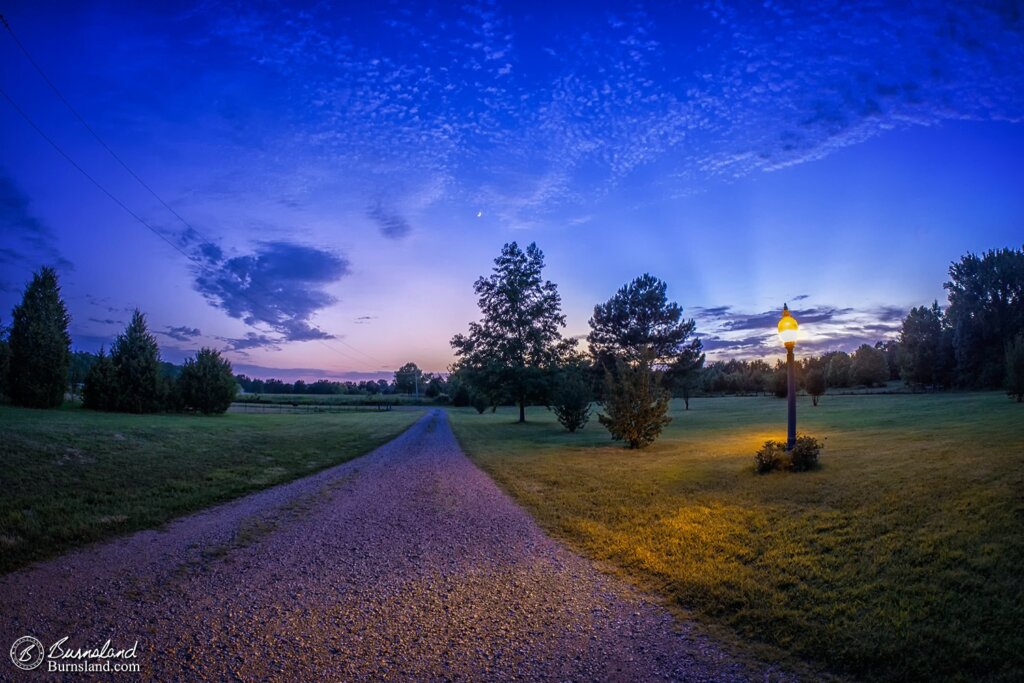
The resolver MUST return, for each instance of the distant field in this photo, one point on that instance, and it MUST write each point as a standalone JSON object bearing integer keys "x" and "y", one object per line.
{"x": 69, "y": 477}
{"x": 902, "y": 558}
{"x": 336, "y": 399}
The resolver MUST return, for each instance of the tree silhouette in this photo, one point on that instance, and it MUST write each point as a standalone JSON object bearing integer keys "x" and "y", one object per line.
{"x": 40, "y": 346}
{"x": 518, "y": 341}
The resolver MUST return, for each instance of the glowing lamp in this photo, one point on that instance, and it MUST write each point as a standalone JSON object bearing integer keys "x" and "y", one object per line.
{"x": 787, "y": 328}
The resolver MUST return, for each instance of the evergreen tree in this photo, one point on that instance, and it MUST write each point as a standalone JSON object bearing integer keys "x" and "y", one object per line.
{"x": 206, "y": 383}
{"x": 639, "y": 319}
{"x": 40, "y": 346}
{"x": 136, "y": 359}
{"x": 518, "y": 341}
{"x": 635, "y": 405}
{"x": 100, "y": 390}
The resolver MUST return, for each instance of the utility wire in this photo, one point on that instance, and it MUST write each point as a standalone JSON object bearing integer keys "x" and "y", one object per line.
{"x": 95, "y": 182}
{"x": 127, "y": 168}
{"x": 124, "y": 206}
{"x": 89, "y": 128}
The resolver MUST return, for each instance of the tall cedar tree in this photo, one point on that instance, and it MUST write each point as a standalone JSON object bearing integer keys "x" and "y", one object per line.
{"x": 517, "y": 343}
{"x": 986, "y": 311}
{"x": 206, "y": 383}
{"x": 40, "y": 346}
{"x": 635, "y": 404}
{"x": 100, "y": 390}
{"x": 638, "y": 320}
{"x": 136, "y": 359}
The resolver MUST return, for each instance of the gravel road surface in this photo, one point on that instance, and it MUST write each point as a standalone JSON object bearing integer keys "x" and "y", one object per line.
{"x": 406, "y": 564}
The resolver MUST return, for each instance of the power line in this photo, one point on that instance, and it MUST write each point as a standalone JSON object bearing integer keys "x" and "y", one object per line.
{"x": 89, "y": 128}
{"x": 95, "y": 182}
{"x": 125, "y": 207}
{"x": 132, "y": 173}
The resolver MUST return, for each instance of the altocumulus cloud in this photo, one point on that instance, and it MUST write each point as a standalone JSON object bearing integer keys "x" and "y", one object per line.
{"x": 281, "y": 285}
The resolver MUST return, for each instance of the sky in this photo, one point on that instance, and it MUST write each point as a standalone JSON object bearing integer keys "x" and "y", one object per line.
{"x": 314, "y": 187}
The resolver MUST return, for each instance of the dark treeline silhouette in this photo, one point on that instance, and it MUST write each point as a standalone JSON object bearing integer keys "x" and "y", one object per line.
{"x": 38, "y": 369}
{"x": 427, "y": 384}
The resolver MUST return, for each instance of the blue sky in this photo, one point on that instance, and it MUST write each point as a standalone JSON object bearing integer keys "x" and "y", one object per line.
{"x": 338, "y": 174}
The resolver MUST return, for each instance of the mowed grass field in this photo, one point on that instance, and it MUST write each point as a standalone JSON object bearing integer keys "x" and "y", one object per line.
{"x": 70, "y": 477}
{"x": 901, "y": 558}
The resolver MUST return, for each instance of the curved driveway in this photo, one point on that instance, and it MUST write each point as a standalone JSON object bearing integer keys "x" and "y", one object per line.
{"x": 405, "y": 564}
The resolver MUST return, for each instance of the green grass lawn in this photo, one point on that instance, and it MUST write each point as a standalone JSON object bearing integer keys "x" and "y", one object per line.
{"x": 901, "y": 558}
{"x": 72, "y": 476}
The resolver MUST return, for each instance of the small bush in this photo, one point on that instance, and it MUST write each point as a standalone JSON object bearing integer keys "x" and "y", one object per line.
{"x": 571, "y": 399}
{"x": 805, "y": 453}
{"x": 773, "y": 455}
{"x": 480, "y": 403}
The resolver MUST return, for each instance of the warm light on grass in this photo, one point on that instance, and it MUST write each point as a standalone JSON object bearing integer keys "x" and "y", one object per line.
{"x": 899, "y": 559}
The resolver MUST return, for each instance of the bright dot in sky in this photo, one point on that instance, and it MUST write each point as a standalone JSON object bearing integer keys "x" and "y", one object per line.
{"x": 479, "y": 214}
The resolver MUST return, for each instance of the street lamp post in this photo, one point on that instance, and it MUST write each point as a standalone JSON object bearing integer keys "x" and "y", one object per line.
{"x": 788, "y": 334}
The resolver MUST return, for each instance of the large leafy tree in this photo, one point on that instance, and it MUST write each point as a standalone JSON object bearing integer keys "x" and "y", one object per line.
{"x": 639, "y": 321}
{"x": 925, "y": 351}
{"x": 406, "y": 378}
{"x": 40, "y": 346}
{"x": 986, "y": 311}
{"x": 868, "y": 366}
{"x": 136, "y": 359}
{"x": 206, "y": 383}
{"x": 518, "y": 341}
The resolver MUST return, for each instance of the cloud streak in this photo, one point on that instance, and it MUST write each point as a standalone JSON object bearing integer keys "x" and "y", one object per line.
{"x": 26, "y": 239}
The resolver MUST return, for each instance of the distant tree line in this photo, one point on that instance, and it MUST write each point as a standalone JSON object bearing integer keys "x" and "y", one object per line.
{"x": 408, "y": 379}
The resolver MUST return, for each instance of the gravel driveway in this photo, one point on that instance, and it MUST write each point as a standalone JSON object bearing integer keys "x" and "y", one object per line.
{"x": 405, "y": 564}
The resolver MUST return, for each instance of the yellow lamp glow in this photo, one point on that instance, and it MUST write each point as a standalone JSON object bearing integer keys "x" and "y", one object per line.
{"x": 787, "y": 327}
